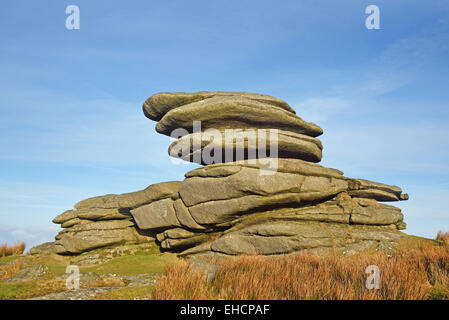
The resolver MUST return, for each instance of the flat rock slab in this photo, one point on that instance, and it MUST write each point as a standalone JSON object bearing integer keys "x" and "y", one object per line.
{"x": 157, "y": 215}
{"x": 117, "y": 206}
{"x": 233, "y": 113}
{"x": 105, "y": 220}
{"x": 156, "y": 106}
{"x": 29, "y": 273}
{"x": 221, "y": 146}
{"x": 100, "y": 234}
{"x": 283, "y": 237}
{"x": 46, "y": 248}
{"x": 217, "y": 194}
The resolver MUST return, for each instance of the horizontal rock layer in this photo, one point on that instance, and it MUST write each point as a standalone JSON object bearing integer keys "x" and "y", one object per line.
{"x": 289, "y": 236}
{"x": 156, "y": 106}
{"x": 106, "y": 220}
{"x": 276, "y": 200}
{"x": 94, "y": 235}
{"x": 217, "y": 203}
{"x": 233, "y": 112}
{"x": 221, "y": 200}
{"x": 228, "y": 146}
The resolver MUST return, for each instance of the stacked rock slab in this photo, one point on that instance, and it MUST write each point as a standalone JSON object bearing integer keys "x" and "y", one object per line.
{"x": 104, "y": 221}
{"x": 232, "y": 207}
{"x": 240, "y": 205}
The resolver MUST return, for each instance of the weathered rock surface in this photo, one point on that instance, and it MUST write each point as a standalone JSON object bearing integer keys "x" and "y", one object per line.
{"x": 284, "y": 237}
{"x": 106, "y": 220}
{"x": 221, "y": 201}
{"x": 156, "y": 215}
{"x": 47, "y": 248}
{"x": 156, "y": 106}
{"x": 100, "y": 234}
{"x": 262, "y": 193}
{"x": 234, "y": 113}
{"x": 219, "y": 193}
{"x": 29, "y": 273}
{"x": 221, "y": 146}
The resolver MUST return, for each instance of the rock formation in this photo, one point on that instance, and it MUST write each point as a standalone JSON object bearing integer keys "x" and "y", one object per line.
{"x": 244, "y": 199}
{"x": 103, "y": 221}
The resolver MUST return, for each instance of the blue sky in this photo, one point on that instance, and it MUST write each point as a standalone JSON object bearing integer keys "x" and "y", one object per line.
{"x": 70, "y": 100}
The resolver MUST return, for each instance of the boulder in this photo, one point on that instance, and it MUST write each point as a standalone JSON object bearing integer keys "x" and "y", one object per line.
{"x": 284, "y": 165}
{"x": 184, "y": 217}
{"x": 156, "y": 215}
{"x": 200, "y": 186}
{"x": 260, "y": 190}
{"x": 65, "y": 216}
{"x": 341, "y": 209}
{"x": 234, "y": 113}
{"x": 105, "y": 220}
{"x": 156, "y": 106}
{"x": 222, "y": 146}
{"x": 31, "y": 272}
{"x": 133, "y": 199}
{"x": 283, "y": 237}
{"x": 179, "y": 238}
{"x": 95, "y": 235}
{"x": 47, "y": 248}
{"x": 218, "y": 194}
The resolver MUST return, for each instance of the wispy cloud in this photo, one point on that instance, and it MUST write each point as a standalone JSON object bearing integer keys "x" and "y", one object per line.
{"x": 32, "y": 235}
{"x": 321, "y": 109}
{"x": 365, "y": 135}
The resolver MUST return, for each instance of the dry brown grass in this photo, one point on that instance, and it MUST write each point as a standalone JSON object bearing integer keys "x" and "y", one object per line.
{"x": 10, "y": 269}
{"x": 182, "y": 281}
{"x": 420, "y": 273}
{"x": 16, "y": 248}
{"x": 47, "y": 285}
{"x": 443, "y": 237}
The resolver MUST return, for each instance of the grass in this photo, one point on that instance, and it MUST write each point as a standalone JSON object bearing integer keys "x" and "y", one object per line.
{"x": 134, "y": 264}
{"x": 15, "y": 290}
{"x": 420, "y": 270}
{"x": 142, "y": 262}
{"x": 443, "y": 238}
{"x": 47, "y": 285}
{"x": 16, "y": 248}
{"x": 10, "y": 269}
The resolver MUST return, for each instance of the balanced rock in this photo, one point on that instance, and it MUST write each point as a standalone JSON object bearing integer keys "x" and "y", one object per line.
{"x": 260, "y": 189}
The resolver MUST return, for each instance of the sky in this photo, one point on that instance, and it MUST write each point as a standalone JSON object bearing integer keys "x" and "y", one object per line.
{"x": 71, "y": 121}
